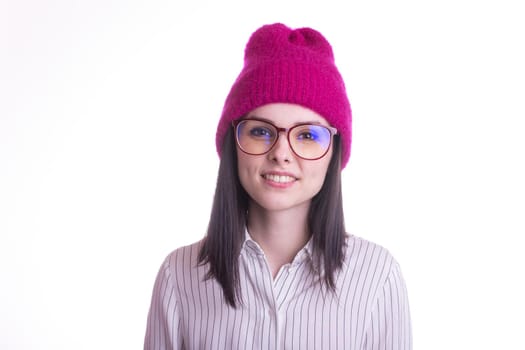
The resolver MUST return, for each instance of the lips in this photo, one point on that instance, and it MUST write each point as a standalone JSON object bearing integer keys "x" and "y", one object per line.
{"x": 279, "y": 178}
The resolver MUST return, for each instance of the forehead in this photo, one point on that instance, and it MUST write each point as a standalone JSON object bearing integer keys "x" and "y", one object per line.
{"x": 286, "y": 114}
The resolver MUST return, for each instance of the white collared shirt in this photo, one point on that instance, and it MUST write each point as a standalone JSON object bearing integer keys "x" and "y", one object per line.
{"x": 293, "y": 311}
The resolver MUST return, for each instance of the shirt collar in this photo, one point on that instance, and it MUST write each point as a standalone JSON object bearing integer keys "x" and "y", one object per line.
{"x": 306, "y": 253}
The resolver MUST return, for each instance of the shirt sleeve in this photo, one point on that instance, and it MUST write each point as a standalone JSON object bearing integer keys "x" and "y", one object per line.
{"x": 163, "y": 326}
{"x": 390, "y": 327}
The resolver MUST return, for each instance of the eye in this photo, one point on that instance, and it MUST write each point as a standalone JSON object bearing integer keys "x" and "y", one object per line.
{"x": 260, "y": 132}
{"x": 308, "y": 135}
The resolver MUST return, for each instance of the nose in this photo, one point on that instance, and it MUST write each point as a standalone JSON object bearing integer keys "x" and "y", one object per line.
{"x": 281, "y": 151}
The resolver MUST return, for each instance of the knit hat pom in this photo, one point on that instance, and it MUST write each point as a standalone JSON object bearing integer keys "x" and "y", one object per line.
{"x": 289, "y": 66}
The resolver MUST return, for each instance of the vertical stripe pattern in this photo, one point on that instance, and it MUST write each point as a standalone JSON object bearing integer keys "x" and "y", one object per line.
{"x": 293, "y": 311}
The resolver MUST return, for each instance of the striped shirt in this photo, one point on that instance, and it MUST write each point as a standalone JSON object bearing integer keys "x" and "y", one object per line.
{"x": 291, "y": 311}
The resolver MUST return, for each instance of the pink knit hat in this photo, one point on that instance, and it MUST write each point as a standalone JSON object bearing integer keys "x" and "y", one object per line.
{"x": 289, "y": 66}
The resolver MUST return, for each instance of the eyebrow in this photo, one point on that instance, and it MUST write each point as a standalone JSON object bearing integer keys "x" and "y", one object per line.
{"x": 271, "y": 122}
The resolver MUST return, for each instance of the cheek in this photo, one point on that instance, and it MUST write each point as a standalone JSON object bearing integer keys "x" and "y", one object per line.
{"x": 319, "y": 179}
{"x": 246, "y": 168}
{"x": 321, "y": 169}
{"x": 241, "y": 165}
{"x": 323, "y": 163}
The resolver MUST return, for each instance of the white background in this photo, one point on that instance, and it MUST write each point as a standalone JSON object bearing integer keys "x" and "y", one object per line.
{"x": 108, "y": 111}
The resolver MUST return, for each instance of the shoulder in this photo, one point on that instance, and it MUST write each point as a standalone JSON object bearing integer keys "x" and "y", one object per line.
{"x": 367, "y": 262}
{"x": 188, "y": 278}
{"x": 182, "y": 261}
{"x": 185, "y": 256}
{"x": 181, "y": 267}
{"x": 360, "y": 250}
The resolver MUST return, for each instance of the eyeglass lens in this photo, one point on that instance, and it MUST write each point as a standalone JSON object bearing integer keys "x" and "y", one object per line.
{"x": 309, "y": 141}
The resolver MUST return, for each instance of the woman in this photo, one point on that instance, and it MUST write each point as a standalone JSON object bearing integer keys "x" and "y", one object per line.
{"x": 276, "y": 269}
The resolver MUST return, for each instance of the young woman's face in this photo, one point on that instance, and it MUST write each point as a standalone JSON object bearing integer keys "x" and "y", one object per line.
{"x": 279, "y": 179}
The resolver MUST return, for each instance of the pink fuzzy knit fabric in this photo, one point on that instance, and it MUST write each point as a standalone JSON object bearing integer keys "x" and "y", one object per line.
{"x": 290, "y": 66}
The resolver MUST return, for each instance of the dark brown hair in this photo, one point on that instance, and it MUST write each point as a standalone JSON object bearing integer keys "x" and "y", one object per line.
{"x": 226, "y": 229}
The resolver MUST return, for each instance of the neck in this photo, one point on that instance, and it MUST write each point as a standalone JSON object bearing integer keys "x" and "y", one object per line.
{"x": 281, "y": 234}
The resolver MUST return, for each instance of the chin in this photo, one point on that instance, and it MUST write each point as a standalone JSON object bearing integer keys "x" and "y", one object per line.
{"x": 280, "y": 204}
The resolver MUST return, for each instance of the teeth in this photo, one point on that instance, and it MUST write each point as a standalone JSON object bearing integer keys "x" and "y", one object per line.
{"x": 279, "y": 178}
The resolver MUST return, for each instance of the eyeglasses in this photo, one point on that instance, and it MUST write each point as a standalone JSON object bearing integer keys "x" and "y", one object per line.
{"x": 307, "y": 141}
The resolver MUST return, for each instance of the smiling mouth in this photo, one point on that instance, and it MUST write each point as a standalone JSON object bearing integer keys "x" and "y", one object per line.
{"x": 279, "y": 178}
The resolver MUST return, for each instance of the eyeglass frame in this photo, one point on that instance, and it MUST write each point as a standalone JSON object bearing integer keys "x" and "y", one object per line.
{"x": 235, "y": 123}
